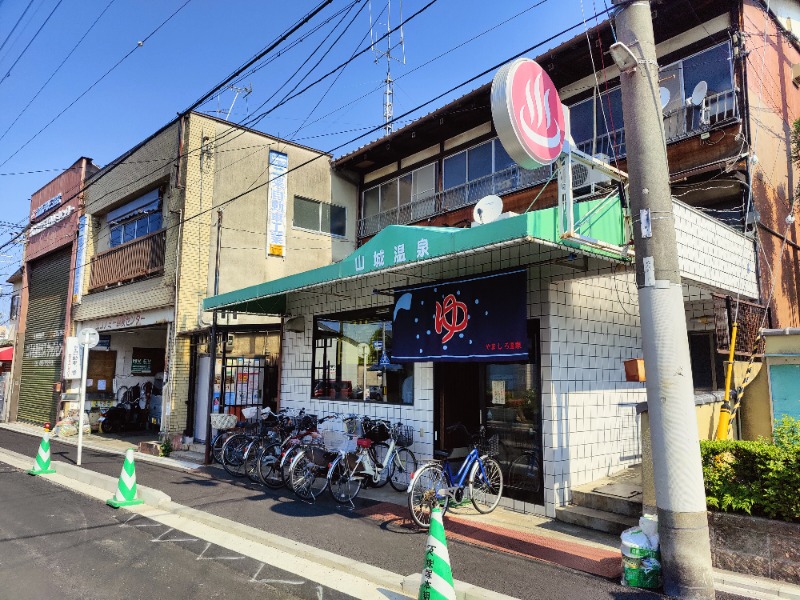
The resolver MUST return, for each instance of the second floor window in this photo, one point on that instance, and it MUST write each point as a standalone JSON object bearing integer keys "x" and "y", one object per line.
{"x": 320, "y": 216}
{"x": 401, "y": 192}
{"x": 135, "y": 219}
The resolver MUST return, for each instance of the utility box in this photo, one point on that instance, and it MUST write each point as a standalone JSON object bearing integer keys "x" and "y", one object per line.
{"x": 634, "y": 370}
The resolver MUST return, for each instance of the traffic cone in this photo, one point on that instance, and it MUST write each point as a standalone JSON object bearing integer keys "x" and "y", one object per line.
{"x": 126, "y": 488}
{"x": 41, "y": 465}
{"x": 437, "y": 577}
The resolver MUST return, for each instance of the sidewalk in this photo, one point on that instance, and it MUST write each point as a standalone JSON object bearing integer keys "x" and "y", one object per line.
{"x": 503, "y": 530}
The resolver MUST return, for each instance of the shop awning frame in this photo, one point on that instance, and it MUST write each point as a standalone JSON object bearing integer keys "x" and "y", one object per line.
{"x": 400, "y": 247}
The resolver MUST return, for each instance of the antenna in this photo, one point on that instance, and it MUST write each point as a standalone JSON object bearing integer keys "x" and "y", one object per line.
{"x": 388, "y": 94}
{"x": 239, "y": 90}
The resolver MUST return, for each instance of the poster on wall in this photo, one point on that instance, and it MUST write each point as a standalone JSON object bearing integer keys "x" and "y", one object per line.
{"x": 276, "y": 204}
{"x": 147, "y": 361}
{"x": 482, "y": 318}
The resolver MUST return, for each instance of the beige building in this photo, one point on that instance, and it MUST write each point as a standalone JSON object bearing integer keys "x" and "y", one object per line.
{"x": 197, "y": 193}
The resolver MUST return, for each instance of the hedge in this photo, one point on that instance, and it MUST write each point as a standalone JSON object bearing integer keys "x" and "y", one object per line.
{"x": 755, "y": 477}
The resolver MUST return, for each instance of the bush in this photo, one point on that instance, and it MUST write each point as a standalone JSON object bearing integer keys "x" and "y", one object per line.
{"x": 755, "y": 477}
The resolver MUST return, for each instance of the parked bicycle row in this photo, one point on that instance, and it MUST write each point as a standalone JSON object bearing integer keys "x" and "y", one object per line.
{"x": 344, "y": 453}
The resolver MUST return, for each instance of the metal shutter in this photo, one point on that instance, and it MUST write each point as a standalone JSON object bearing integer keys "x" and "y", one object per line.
{"x": 44, "y": 337}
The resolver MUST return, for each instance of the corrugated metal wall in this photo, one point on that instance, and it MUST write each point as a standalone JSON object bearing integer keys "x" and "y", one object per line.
{"x": 44, "y": 337}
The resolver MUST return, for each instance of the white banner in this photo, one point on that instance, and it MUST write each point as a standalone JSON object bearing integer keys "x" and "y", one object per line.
{"x": 72, "y": 359}
{"x": 276, "y": 204}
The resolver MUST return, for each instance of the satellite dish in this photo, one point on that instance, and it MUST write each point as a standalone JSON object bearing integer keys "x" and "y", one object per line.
{"x": 699, "y": 93}
{"x": 665, "y": 95}
{"x": 488, "y": 209}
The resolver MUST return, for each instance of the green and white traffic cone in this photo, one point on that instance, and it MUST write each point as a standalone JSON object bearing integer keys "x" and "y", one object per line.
{"x": 437, "y": 577}
{"x": 126, "y": 488}
{"x": 41, "y": 465}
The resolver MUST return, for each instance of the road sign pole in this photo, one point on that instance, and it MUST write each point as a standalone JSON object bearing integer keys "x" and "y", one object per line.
{"x": 88, "y": 338}
{"x": 84, "y": 369}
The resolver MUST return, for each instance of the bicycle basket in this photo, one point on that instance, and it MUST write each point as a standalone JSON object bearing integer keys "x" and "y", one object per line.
{"x": 250, "y": 412}
{"x": 352, "y": 426}
{"x": 489, "y": 446}
{"x": 219, "y": 421}
{"x": 308, "y": 422}
{"x": 377, "y": 431}
{"x": 404, "y": 435}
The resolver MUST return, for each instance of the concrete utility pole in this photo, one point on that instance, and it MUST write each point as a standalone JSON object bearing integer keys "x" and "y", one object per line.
{"x": 212, "y": 347}
{"x": 680, "y": 495}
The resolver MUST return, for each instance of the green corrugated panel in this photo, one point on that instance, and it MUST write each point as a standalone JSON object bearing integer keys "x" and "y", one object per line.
{"x": 44, "y": 337}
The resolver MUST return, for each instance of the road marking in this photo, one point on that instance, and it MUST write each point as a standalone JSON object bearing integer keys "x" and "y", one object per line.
{"x": 254, "y": 578}
{"x": 158, "y": 539}
{"x": 132, "y": 517}
{"x": 208, "y": 545}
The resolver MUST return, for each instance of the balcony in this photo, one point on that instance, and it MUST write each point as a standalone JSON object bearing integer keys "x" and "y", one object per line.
{"x": 428, "y": 205}
{"x": 138, "y": 258}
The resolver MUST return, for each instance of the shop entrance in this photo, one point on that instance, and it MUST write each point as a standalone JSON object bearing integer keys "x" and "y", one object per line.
{"x": 506, "y": 397}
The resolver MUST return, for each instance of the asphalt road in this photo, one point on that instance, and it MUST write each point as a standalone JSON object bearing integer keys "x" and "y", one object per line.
{"x": 55, "y": 543}
{"x": 342, "y": 531}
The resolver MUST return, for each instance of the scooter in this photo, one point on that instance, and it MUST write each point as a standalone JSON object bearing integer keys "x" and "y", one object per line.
{"x": 131, "y": 413}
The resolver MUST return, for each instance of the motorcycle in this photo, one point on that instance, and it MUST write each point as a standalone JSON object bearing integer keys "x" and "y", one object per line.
{"x": 130, "y": 413}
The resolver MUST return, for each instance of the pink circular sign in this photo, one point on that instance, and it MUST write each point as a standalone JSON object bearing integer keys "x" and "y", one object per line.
{"x": 528, "y": 114}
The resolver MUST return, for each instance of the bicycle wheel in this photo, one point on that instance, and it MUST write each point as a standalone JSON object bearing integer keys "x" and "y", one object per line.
{"x": 525, "y": 473}
{"x": 425, "y": 493}
{"x": 286, "y": 462}
{"x": 251, "y": 454}
{"x": 404, "y": 463}
{"x": 308, "y": 480}
{"x": 379, "y": 455}
{"x": 343, "y": 486}
{"x": 485, "y": 488}
{"x": 269, "y": 465}
{"x": 217, "y": 443}
{"x": 233, "y": 454}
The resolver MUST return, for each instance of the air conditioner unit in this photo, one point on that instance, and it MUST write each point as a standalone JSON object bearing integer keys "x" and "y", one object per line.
{"x": 228, "y": 342}
{"x": 586, "y": 180}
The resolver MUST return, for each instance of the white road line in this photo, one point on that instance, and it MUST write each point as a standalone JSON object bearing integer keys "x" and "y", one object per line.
{"x": 208, "y": 545}
{"x": 255, "y": 579}
{"x": 171, "y": 529}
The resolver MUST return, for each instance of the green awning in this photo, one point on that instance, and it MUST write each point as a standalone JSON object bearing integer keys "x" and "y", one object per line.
{"x": 398, "y": 247}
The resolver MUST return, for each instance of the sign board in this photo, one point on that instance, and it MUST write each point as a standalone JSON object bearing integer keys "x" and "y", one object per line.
{"x": 56, "y": 217}
{"x": 72, "y": 359}
{"x": 130, "y": 320}
{"x": 88, "y": 337}
{"x": 479, "y": 318}
{"x": 528, "y": 114}
{"x": 276, "y": 204}
{"x": 46, "y": 206}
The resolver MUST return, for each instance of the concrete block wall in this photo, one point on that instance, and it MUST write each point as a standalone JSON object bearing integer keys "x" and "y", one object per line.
{"x": 589, "y": 327}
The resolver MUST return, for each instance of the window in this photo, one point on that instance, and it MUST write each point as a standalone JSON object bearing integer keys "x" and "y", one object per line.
{"x": 410, "y": 188}
{"x": 136, "y": 219}
{"x": 320, "y": 216}
{"x": 347, "y": 362}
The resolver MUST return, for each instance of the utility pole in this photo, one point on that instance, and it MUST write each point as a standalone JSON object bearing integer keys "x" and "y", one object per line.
{"x": 212, "y": 346}
{"x": 680, "y": 495}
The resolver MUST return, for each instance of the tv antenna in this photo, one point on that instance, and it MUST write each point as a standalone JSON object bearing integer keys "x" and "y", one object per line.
{"x": 239, "y": 90}
{"x": 388, "y": 92}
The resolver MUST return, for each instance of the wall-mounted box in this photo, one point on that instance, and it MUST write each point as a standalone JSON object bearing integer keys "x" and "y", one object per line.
{"x": 634, "y": 369}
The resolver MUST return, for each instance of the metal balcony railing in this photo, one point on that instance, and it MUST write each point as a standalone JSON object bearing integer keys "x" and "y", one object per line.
{"x": 138, "y": 258}
{"x": 430, "y": 204}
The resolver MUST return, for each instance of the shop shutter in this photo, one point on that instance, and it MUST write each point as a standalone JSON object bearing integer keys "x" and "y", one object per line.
{"x": 44, "y": 337}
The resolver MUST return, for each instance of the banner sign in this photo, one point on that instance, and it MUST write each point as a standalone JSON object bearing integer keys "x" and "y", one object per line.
{"x": 46, "y": 206}
{"x": 276, "y": 204}
{"x": 481, "y": 318}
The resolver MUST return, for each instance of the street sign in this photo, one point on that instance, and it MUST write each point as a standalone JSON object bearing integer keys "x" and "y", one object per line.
{"x": 88, "y": 337}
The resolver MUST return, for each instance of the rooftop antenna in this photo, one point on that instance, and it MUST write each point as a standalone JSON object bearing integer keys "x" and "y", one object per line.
{"x": 388, "y": 93}
{"x": 239, "y": 90}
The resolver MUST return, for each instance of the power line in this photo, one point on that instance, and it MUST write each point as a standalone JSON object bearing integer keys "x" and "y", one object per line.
{"x": 103, "y": 76}
{"x": 58, "y": 68}
{"x": 25, "y": 49}
{"x": 13, "y": 29}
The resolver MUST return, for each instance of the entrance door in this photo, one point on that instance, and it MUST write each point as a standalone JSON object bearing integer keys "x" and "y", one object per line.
{"x": 457, "y": 391}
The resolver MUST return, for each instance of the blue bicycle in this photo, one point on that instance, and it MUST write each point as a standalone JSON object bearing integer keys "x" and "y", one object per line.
{"x": 435, "y": 484}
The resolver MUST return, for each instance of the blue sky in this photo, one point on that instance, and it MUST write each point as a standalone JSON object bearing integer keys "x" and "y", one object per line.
{"x": 206, "y": 41}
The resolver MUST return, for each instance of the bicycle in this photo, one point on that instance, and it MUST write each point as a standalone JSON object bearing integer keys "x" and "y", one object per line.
{"x": 435, "y": 484}
{"x": 373, "y": 462}
{"x": 524, "y": 473}
{"x": 238, "y": 455}
{"x": 274, "y": 460}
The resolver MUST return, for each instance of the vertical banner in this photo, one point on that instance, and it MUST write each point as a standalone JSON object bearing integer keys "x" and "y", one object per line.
{"x": 482, "y": 318}
{"x": 80, "y": 258}
{"x": 276, "y": 204}
{"x": 72, "y": 359}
